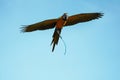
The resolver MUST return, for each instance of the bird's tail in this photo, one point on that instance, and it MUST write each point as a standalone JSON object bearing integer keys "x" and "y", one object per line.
{"x": 56, "y": 36}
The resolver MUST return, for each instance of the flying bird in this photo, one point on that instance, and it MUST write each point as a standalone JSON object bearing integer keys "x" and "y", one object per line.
{"x": 61, "y": 22}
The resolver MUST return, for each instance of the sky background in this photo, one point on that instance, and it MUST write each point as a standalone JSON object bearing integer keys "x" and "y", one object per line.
{"x": 93, "y": 48}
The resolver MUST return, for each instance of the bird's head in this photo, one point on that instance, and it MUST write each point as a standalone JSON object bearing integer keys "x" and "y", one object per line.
{"x": 65, "y": 16}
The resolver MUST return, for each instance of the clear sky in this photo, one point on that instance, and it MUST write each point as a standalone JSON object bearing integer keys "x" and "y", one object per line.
{"x": 93, "y": 48}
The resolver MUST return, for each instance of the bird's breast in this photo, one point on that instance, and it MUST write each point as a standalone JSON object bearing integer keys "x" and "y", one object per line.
{"x": 60, "y": 23}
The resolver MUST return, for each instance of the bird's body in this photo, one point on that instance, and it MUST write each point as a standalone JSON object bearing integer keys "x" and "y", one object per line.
{"x": 59, "y": 23}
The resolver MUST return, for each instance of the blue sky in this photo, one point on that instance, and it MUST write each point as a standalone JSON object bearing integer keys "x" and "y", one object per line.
{"x": 93, "y": 48}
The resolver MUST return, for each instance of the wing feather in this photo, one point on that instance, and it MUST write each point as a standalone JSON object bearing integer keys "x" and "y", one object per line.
{"x": 47, "y": 24}
{"x": 82, "y": 18}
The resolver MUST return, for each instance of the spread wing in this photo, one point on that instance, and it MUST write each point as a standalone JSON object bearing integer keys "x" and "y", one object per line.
{"x": 82, "y": 18}
{"x": 47, "y": 24}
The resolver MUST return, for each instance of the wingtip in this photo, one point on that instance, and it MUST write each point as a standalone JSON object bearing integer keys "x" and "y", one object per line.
{"x": 26, "y": 28}
{"x": 23, "y": 29}
{"x": 100, "y": 14}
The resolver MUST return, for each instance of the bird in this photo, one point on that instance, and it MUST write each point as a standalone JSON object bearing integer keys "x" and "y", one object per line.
{"x": 61, "y": 22}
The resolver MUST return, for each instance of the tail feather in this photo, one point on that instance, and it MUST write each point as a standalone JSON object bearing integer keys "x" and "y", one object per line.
{"x": 56, "y": 36}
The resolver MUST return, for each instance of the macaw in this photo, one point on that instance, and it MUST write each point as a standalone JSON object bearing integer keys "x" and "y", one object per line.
{"x": 61, "y": 22}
